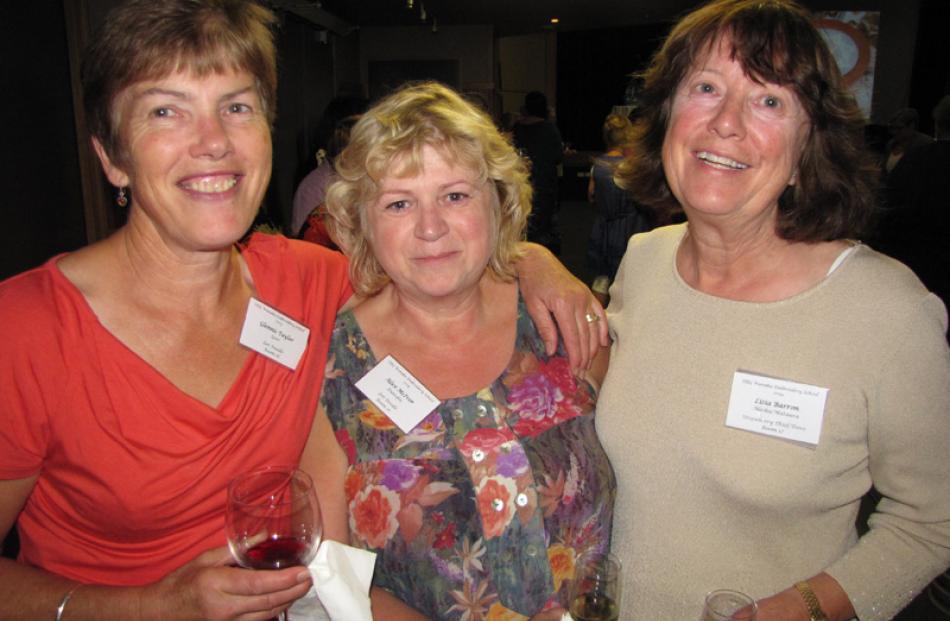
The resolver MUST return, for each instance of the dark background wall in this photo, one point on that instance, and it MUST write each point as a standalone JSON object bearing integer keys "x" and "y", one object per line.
{"x": 593, "y": 71}
{"x": 912, "y": 67}
{"x": 42, "y": 210}
{"x": 304, "y": 87}
{"x": 930, "y": 76}
{"x": 41, "y": 205}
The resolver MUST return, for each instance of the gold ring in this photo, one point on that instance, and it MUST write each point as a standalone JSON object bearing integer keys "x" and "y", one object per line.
{"x": 591, "y": 317}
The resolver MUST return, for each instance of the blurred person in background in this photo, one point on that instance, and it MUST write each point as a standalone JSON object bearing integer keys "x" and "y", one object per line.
{"x": 538, "y": 138}
{"x": 904, "y": 136}
{"x": 314, "y": 187}
{"x": 332, "y": 133}
{"x": 618, "y": 215}
{"x": 916, "y": 225}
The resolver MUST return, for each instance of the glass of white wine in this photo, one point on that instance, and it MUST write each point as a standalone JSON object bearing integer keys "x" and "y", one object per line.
{"x": 726, "y": 605}
{"x": 594, "y": 593}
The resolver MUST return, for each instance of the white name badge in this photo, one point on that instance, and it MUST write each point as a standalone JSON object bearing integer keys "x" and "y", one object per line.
{"x": 776, "y": 407}
{"x": 271, "y": 333}
{"x": 400, "y": 396}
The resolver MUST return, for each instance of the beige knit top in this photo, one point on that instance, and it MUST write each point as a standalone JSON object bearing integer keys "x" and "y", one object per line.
{"x": 702, "y": 506}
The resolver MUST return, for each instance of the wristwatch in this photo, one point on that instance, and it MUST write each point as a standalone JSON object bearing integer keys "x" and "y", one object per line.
{"x": 811, "y": 602}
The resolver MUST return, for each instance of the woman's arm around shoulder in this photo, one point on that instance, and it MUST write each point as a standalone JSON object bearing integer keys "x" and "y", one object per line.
{"x": 550, "y": 289}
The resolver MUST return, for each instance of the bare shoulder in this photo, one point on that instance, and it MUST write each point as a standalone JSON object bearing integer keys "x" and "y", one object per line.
{"x": 91, "y": 268}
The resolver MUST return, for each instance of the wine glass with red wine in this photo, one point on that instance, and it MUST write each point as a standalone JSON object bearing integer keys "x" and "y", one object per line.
{"x": 273, "y": 519}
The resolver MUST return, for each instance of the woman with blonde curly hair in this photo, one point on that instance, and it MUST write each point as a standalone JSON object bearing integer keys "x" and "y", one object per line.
{"x": 478, "y": 502}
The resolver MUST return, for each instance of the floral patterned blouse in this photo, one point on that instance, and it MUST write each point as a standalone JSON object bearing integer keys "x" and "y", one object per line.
{"x": 479, "y": 512}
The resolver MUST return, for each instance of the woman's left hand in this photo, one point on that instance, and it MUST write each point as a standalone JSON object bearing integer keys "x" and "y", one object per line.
{"x": 784, "y": 606}
{"x": 550, "y": 289}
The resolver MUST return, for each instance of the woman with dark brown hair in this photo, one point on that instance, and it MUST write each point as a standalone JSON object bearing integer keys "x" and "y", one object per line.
{"x": 768, "y": 369}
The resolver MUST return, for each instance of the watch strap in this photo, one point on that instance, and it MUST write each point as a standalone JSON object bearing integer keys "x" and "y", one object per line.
{"x": 811, "y": 602}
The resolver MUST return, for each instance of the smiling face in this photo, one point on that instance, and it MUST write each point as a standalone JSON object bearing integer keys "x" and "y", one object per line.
{"x": 732, "y": 145}
{"x": 432, "y": 232}
{"x": 197, "y": 157}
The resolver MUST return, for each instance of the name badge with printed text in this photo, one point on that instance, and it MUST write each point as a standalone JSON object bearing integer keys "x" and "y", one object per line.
{"x": 273, "y": 334}
{"x": 776, "y": 407}
{"x": 398, "y": 395}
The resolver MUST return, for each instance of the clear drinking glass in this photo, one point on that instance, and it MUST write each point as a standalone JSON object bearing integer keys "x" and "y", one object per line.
{"x": 594, "y": 593}
{"x": 273, "y": 519}
{"x": 726, "y": 605}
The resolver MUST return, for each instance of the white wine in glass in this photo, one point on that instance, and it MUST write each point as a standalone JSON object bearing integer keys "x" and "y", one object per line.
{"x": 594, "y": 593}
{"x": 726, "y": 605}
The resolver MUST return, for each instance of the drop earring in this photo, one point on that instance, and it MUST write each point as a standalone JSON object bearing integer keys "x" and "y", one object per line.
{"x": 121, "y": 199}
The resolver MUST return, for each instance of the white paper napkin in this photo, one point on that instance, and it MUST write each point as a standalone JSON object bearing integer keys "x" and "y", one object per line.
{"x": 341, "y": 579}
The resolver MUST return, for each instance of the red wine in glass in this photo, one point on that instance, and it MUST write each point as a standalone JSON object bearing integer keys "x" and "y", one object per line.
{"x": 273, "y": 519}
{"x": 277, "y": 553}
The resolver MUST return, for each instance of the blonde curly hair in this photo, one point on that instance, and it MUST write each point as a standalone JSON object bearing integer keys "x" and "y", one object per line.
{"x": 389, "y": 140}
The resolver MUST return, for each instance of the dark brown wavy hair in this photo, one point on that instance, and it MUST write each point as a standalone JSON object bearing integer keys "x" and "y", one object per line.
{"x": 775, "y": 42}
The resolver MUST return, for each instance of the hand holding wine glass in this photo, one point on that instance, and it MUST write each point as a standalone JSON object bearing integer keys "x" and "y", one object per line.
{"x": 594, "y": 593}
{"x": 273, "y": 519}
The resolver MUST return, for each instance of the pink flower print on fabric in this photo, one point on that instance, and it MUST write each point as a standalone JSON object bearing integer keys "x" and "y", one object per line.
{"x": 373, "y": 515}
{"x": 495, "y": 499}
